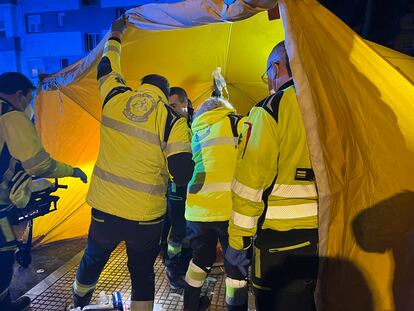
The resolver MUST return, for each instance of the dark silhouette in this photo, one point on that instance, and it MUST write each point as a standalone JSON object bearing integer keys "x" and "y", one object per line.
{"x": 389, "y": 225}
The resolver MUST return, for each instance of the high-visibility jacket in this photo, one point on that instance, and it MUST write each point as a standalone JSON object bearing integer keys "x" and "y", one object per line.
{"x": 214, "y": 147}
{"x": 138, "y": 133}
{"x": 273, "y": 170}
{"x": 21, "y": 149}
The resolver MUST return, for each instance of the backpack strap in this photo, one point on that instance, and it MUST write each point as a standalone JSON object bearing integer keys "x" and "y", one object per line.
{"x": 234, "y": 121}
{"x": 172, "y": 118}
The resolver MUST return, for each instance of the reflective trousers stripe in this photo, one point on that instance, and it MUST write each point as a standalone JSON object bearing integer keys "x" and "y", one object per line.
{"x": 195, "y": 276}
{"x": 236, "y": 292}
{"x": 292, "y": 211}
{"x": 246, "y": 192}
{"x": 82, "y": 289}
{"x": 128, "y": 129}
{"x": 3, "y": 294}
{"x": 244, "y": 221}
{"x": 294, "y": 191}
{"x": 129, "y": 183}
{"x": 142, "y": 305}
{"x": 173, "y": 249}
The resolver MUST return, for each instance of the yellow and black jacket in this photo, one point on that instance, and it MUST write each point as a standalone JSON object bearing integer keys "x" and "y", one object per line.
{"x": 214, "y": 147}
{"x": 274, "y": 173}
{"x": 140, "y": 137}
{"x": 21, "y": 149}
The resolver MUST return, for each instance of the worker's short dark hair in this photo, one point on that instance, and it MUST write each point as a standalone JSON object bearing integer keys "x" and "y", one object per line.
{"x": 158, "y": 81}
{"x": 12, "y": 82}
{"x": 180, "y": 92}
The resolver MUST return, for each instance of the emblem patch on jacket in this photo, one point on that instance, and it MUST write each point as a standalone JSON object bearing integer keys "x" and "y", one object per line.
{"x": 139, "y": 107}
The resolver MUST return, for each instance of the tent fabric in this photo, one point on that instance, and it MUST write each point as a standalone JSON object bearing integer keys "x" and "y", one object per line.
{"x": 356, "y": 101}
{"x": 68, "y": 114}
{"x": 166, "y": 16}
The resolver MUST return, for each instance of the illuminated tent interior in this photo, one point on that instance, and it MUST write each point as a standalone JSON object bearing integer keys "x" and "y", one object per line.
{"x": 357, "y": 103}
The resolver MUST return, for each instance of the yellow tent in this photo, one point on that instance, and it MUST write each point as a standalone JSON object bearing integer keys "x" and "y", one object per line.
{"x": 357, "y": 103}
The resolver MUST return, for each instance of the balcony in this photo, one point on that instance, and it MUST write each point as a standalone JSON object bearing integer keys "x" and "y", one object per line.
{"x": 8, "y": 2}
{"x": 9, "y": 44}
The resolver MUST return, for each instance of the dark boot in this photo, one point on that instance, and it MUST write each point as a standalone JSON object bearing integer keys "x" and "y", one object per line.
{"x": 79, "y": 301}
{"x": 191, "y": 298}
{"x": 237, "y": 308}
{"x": 203, "y": 303}
{"x": 20, "y": 304}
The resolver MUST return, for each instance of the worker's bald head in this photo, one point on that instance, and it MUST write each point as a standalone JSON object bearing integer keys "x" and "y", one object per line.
{"x": 279, "y": 56}
{"x": 278, "y": 71}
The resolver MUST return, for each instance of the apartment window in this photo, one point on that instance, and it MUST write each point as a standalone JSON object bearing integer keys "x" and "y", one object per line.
{"x": 34, "y": 23}
{"x": 89, "y": 2}
{"x": 64, "y": 62}
{"x": 2, "y": 29}
{"x": 60, "y": 17}
{"x": 91, "y": 40}
{"x": 36, "y": 66}
{"x": 119, "y": 12}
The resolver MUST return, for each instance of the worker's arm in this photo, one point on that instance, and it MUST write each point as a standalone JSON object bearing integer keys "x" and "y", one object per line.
{"x": 110, "y": 79}
{"x": 255, "y": 171}
{"x": 24, "y": 145}
{"x": 178, "y": 153}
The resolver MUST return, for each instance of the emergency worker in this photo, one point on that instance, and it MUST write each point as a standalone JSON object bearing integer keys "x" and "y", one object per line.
{"x": 143, "y": 142}
{"x": 21, "y": 156}
{"x": 177, "y": 251}
{"x": 208, "y": 207}
{"x": 274, "y": 197}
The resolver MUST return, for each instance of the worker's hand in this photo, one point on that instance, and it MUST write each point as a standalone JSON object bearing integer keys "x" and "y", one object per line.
{"x": 119, "y": 25}
{"x": 238, "y": 259}
{"x": 78, "y": 173}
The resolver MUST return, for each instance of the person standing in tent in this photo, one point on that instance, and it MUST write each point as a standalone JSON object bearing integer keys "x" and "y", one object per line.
{"x": 143, "y": 142}
{"x": 275, "y": 198}
{"x": 21, "y": 154}
{"x": 214, "y": 145}
{"x": 176, "y": 251}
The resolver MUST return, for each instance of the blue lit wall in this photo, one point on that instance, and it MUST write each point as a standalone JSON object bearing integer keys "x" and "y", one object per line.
{"x": 44, "y": 36}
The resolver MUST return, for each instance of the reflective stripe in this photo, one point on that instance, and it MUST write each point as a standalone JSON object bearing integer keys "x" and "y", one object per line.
{"x": 9, "y": 248}
{"x": 36, "y": 160}
{"x": 177, "y": 147}
{"x": 173, "y": 249}
{"x": 219, "y": 141}
{"x": 257, "y": 265}
{"x": 294, "y": 191}
{"x": 6, "y": 230}
{"x": 112, "y": 48}
{"x": 236, "y": 292}
{"x": 246, "y": 192}
{"x": 289, "y": 248}
{"x": 130, "y": 130}
{"x": 292, "y": 211}
{"x": 195, "y": 276}
{"x": 129, "y": 183}
{"x": 142, "y": 305}
{"x": 213, "y": 187}
{"x": 103, "y": 79}
{"x": 82, "y": 289}
{"x": 3, "y": 294}
{"x": 244, "y": 221}
{"x": 52, "y": 168}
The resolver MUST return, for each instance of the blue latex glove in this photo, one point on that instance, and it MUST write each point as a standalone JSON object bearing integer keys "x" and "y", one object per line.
{"x": 238, "y": 258}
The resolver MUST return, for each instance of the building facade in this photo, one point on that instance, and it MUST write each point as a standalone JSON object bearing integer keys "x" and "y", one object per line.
{"x": 45, "y": 36}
